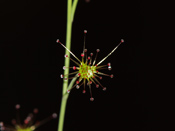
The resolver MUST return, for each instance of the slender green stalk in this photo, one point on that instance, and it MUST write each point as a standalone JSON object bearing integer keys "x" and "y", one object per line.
{"x": 68, "y": 42}
{"x": 70, "y": 15}
{"x": 63, "y": 106}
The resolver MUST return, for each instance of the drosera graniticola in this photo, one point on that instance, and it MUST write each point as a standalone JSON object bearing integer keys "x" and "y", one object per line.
{"x": 87, "y": 70}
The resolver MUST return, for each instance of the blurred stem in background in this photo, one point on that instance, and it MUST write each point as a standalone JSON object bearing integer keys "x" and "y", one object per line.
{"x": 71, "y": 7}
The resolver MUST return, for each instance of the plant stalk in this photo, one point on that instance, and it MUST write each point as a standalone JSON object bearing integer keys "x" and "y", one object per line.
{"x": 70, "y": 16}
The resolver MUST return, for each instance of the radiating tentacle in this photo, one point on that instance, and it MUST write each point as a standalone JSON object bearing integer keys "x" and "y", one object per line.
{"x": 68, "y": 50}
{"x": 111, "y": 52}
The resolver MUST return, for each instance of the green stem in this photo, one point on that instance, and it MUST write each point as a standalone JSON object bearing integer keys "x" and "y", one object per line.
{"x": 70, "y": 15}
{"x": 63, "y": 106}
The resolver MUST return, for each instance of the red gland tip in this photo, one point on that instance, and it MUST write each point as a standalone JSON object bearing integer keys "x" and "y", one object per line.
{"x": 54, "y": 115}
{"x": 26, "y": 121}
{"x": 74, "y": 67}
{"x": 68, "y": 91}
{"x": 84, "y": 91}
{"x": 65, "y": 79}
{"x": 100, "y": 77}
{"x": 98, "y": 50}
{"x": 85, "y": 31}
{"x": 82, "y": 54}
{"x": 91, "y": 99}
{"x": 61, "y": 75}
{"x": 91, "y": 54}
{"x": 109, "y": 67}
{"x": 57, "y": 40}
{"x": 65, "y": 55}
{"x": 104, "y": 88}
{"x": 77, "y": 86}
{"x": 112, "y": 76}
{"x": 122, "y": 40}
{"x": 79, "y": 74}
{"x": 85, "y": 50}
{"x": 89, "y": 58}
{"x": 109, "y": 64}
{"x": 17, "y": 106}
{"x": 97, "y": 85}
{"x": 77, "y": 82}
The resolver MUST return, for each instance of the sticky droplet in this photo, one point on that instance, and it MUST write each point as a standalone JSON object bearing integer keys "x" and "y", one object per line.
{"x": 109, "y": 64}
{"x": 84, "y": 91}
{"x": 109, "y": 67}
{"x": 61, "y": 75}
{"x": 65, "y": 55}
{"x": 91, "y": 99}
{"x": 17, "y": 106}
{"x": 54, "y": 115}
{"x": 112, "y": 76}
{"x": 77, "y": 82}
{"x": 77, "y": 86}
{"x": 74, "y": 67}
{"x": 85, "y": 31}
{"x": 104, "y": 88}
{"x": 64, "y": 67}
{"x": 57, "y": 40}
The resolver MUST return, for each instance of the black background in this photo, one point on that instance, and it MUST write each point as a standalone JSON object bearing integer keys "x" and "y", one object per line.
{"x": 31, "y": 63}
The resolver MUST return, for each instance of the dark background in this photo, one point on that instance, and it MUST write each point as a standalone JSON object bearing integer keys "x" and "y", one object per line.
{"x": 31, "y": 63}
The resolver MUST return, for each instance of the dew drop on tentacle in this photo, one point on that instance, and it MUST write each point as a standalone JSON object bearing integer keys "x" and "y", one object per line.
{"x": 98, "y": 50}
{"x": 61, "y": 75}
{"x": 104, "y": 88}
{"x": 65, "y": 56}
{"x": 109, "y": 67}
{"x": 64, "y": 67}
{"x": 97, "y": 85}
{"x": 82, "y": 54}
{"x": 17, "y": 106}
{"x": 54, "y": 115}
{"x": 74, "y": 68}
{"x": 109, "y": 64}
{"x": 77, "y": 86}
{"x": 85, "y": 31}
{"x": 91, "y": 99}
{"x": 111, "y": 75}
{"x": 84, "y": 91}
{"x": 77, "y": 82}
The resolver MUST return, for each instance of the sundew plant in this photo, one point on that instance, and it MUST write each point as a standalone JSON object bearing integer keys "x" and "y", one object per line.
{"x": 87, "y": 70}
{"x": 29, "y": 123}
